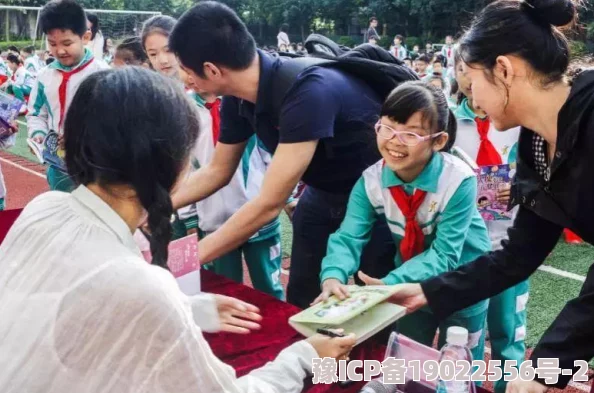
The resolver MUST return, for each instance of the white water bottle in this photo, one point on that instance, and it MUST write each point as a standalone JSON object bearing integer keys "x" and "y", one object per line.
{"x": 456, "y": 348}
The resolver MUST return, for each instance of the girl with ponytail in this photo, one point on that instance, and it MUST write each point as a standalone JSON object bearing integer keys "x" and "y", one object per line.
{"x": 262, "y": 252}
{"x": 515, "y": 57}
{"x": 427, "y": 197}
{"x": 85, "y": 309}
{"x": 478, "y": 138}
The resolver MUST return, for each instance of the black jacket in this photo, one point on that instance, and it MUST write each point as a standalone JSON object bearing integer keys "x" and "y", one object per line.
{"x": 565, "y": 201}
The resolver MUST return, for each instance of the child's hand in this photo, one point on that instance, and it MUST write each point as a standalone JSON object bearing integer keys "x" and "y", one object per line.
{"x": 504, "y": 193}
{"x": 370, "y": 280}
{"x": 290, "y": 209}
{"x": 332, "y": 287}
{"x": 38, "y": 139}
{"x": 14, "y": 127}
{"x": 61, "y": 141}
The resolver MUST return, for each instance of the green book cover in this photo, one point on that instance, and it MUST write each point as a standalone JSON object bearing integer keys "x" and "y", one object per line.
{"x": 336, "y": 312}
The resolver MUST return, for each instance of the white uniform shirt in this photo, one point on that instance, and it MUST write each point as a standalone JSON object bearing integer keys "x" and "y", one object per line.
{"x": 83, "y": 312}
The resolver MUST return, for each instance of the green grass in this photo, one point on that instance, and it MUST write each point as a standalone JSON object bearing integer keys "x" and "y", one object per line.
{"x": 286, "y": 235}
{"x": 572, "y": 258}
{"x": 548, "y": 295}
{"x": 21, "y": 148}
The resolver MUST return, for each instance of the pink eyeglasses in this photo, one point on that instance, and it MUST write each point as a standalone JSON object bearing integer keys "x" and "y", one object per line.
{"x": 407, "y": 138}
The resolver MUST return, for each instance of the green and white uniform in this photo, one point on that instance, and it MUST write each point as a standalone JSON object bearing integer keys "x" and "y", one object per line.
{"x": 32, "y": 64}
{"x": 47, "y": 108}
{"x": 506, "y": 319}
{"x": 455, "y": 234}
{"x": 21, "y": 83}
{"x": 262, "y": 252}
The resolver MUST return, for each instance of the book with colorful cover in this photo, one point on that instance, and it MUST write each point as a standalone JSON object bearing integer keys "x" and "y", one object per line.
{"x": 53, "y": 154}
{"x": 9, "y": 111}
{"x": 183, "y": 260}
{"x": 365, "y": 312}
{"x": 491, "y": 179}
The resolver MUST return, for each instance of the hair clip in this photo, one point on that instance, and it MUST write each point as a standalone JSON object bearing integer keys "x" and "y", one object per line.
{"x": 527, "y": 4}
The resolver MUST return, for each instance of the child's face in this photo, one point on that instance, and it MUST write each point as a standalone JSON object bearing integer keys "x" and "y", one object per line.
{"x": 13, "y": 66}
{"x": 408, "y": 63}
{"x": 67, "y": 47}
{"x": 397, "y": 41}
{"x": 428, "y": 46}
{"x": 421, "y": 67}
{"x": 161, "y": 58}
{"x": 415, "y": 48}
{"x": 373, "y": 41}
{"x": 449, "y": 40}
{"x": 463, "y": 82}
{"x": 408, "y": 161}
{"x": 25, "y": 55}
{"x": 437, "y": 67}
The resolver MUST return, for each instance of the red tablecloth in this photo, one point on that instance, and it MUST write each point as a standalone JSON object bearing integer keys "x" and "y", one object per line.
{"x": 245, "y": 353}
{"x": 7, "y": 218}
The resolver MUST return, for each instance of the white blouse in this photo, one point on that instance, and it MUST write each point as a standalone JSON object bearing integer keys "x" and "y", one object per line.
{"x": 81, "y": 311}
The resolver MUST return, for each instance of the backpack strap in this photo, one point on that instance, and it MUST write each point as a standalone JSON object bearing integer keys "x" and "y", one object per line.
{"x": 286, "y": 75}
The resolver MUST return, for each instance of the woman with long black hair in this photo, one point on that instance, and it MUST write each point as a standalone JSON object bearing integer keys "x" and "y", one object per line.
{"x": 516, "y": 57}
{"x": 81, "y": 310}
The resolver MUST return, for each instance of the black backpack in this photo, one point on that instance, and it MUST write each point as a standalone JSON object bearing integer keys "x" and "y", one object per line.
{"x": 374, "y": 65}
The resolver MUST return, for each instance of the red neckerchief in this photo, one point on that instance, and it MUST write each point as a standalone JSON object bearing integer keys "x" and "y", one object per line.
{"x": 487, "y": 154}
{"x": 62, "y": 89}
{"x": 215, "y": 114}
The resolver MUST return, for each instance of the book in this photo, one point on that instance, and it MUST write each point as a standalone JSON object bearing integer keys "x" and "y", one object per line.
{"x": 364, "y": 313}
{"x": 183, "y": 260}
{"x": 491, "y": 179}
{"x": 53, "y": 154}
{"x": 9, "y": 111}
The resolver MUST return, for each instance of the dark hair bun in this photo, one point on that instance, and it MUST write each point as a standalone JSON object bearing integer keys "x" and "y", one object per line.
{"x": 553, "y": 12}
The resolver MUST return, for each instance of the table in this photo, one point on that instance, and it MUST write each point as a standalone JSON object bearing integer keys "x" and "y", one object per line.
{"x": 245, "y": 353}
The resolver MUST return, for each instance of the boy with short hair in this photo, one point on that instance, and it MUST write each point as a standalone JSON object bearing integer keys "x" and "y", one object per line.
{"x": 65, "y": 24}
{"x": 373, "y": 39}
{"x": 21, "y": 82}
{"x": 421, "y": 65}
{"x": 448, "y": 51}
{"x": 398, "y": 49}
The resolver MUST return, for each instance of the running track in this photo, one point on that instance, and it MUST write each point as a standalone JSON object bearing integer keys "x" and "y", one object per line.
{"x": 25, "y": 180}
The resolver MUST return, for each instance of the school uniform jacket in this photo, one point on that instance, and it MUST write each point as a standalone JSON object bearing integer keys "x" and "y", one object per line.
{"x": 455, "y": 233}
{"x": 22, "y": 78}
{"x": 32, "y": 65}
{"x": 448, "y": 53}
{"x": 506, "y": 144}
{"x": 47, "y": 108}
{"x": 245, "y": 184}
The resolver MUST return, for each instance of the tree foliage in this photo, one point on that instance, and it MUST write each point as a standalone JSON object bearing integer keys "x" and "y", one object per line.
{"x": 422, "y": 19}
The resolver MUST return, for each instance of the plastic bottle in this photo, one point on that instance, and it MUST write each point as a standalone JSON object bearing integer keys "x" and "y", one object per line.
{"x": 456, "y": 348}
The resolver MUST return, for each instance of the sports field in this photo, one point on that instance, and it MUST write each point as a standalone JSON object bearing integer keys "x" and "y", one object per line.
{"x": 557, "y": 281}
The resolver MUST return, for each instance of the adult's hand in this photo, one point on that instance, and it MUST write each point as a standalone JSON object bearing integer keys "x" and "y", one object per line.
{"x": 236, "y": 316}
{"x": 337, "y": 348}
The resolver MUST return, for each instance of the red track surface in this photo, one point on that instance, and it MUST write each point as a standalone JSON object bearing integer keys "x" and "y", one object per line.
{"x": 22, "y": 186}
